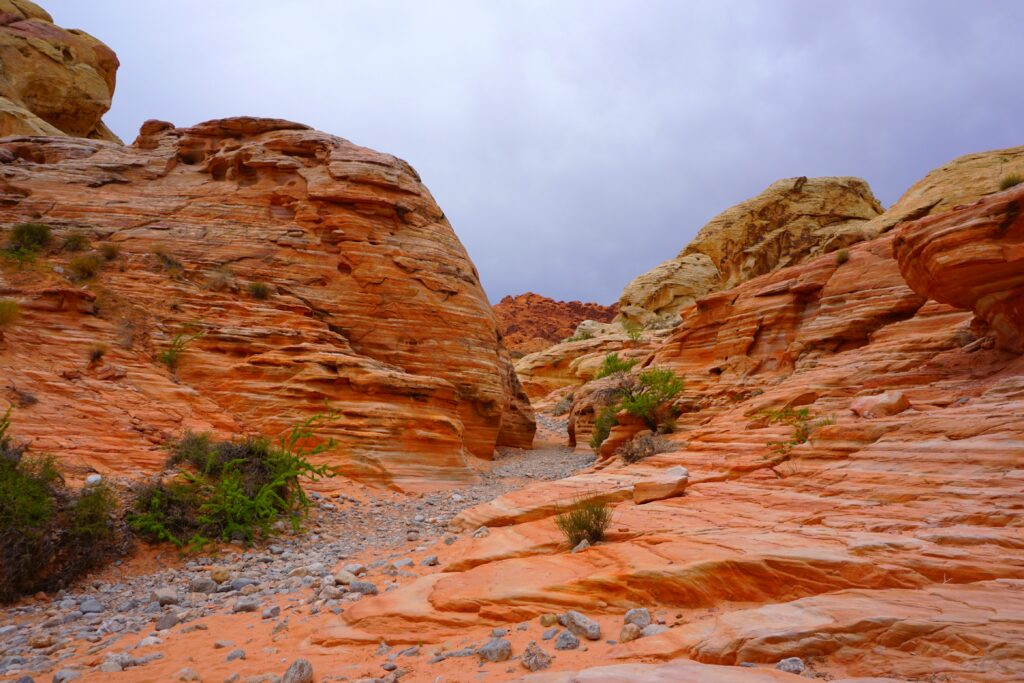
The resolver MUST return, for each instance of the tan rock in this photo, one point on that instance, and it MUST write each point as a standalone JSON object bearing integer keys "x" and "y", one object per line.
{"x": 54, "y": 81}
{"x": 220, "y": 574}
{"x": 629, "y": 633}
{"x": 668, "y": 484}
{"x": 880, "y": 405}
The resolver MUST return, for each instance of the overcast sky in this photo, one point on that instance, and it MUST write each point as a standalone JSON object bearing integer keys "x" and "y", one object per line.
{"x": 576, "y": 144}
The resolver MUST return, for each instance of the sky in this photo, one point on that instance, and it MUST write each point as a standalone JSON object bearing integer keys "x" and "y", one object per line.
{"x": 574, "y": 144}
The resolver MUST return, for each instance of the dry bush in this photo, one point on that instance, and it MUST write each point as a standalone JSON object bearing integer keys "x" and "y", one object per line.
{"x": 641, "y": 446}
{"x": 585, "y": 520}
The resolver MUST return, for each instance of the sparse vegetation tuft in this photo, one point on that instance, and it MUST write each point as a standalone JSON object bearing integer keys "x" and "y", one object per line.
{"x": 612, "y": 364}
{"x": 171, "y": 265}
{"x": 219, "y": 280}
{"x": 642, "y": 446}
{"x": 804, "y": 424}
{"x": 10, "y": 311}
{"x": 651, "y": 396}
{"x": 171, "y": 356}
{"x": 579, "y": 336}
{"x": 842, "y": 256}
{"x": 585, "y": 520}
{"x": 232, "y": 490}
{"x": 84, "y": 267}
{"x": 603, "y": 423}
{"x": 76, "y": 241}
{"x": 633, "y": 330}
{"x": 110, "y": 251}
{"x": 30, "y": 236}
{"x": 1010, "y": 180}
{"x": 564, "y": 405}
{"x": 97, "y": 353}
{"x": 258, "y": 290}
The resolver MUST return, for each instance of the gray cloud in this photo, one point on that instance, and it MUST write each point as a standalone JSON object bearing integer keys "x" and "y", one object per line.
{"x": 575, "y": 144}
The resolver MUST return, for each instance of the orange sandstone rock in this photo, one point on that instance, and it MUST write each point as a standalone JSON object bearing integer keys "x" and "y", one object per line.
{"x": 530, "y": 322}
{"x": 363, "y": 297}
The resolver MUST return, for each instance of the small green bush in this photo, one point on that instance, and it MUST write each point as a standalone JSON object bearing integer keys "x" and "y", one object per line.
{"x": 603, "y": 423}
{"x": 258, "y": 290}
{"x": 171, "y": 356}
{"x": 76, "y": 241}
{"x": 579, "y": 336}
{"x": 804, "y": 424}
{"x": 633, "y": 330}
{"x": 648, "y": 397}
{"x": 30, "y": 236}
{"x": 110, "y": 251}
{"x": 842, "y": 256}
{"x": 1010, "y": 180}
{"x": 10, "y": 311}
{"x": 612, "y": 364}
{"x": 235, "y": 489}
{"x": 585, "y": 520}
{"x": 84, "y": 267}
{"x": 642, "y": 446}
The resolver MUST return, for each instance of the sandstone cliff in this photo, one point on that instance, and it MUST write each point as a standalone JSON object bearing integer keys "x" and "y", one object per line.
{"x": 885, "y": 546}
{"x": 791, "y": 220}
{"x": 313, "y": 269}
{"x": 53, "y": 81}
{"x": 530, "y": 322}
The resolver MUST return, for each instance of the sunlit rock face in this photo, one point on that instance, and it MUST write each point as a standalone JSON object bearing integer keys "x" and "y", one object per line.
{"x": 315, "y": 270}
{"x": 53, "y": 81}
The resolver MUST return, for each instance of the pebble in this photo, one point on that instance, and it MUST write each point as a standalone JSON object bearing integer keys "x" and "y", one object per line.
{"x": 567, "y": 640}
{"x": 355, "y": 568}
{"x": 164, "y": 596}
{"x": 93, "y": 480}
{"x": 641, "y": 617}
{"x": 653, "y": 630}
{"x": 482, "y": 532}
{"x": 166, "y": 621}
{"x": 222, "y": 644}
{"x": 548, "y": 619}
{"x": 271, "y": 612}
{"x": 237, "y": 653}
{"x": 630, "y": 632}
{"x": 549, "y": 633}
{"x": 582, "y": 545}
{"x": 246, "y": 604}
{"x": 203, "y": 584}
{"x": 497, "y": 650}
{"x": 363, "y": 587}
{"x": 580, "y": 625}
{"x": 792, "y": 665}
{"x": 301, "y": 671}
{"x": 187, "y": 674}
{"x": 430, "y": 561}
{"x": 534, "y": 658}
{"x": 65, "y": 675}
{"x": 90, "y": 606}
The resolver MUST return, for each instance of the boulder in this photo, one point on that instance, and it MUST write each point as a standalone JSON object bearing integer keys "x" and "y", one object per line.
{"x": 880, "y": 405}
{"x": 667, "y": 484}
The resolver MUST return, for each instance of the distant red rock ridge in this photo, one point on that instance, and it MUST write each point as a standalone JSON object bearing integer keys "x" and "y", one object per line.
{"x": 532, "y": 322}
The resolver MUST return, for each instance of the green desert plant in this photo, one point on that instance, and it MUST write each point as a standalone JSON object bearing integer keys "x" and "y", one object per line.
{"x": 30, "y": 236}
{"x": 171, "y": 356}
{"x": 612, "y": 364}
{"x": 233, "y": 489}
{"x": 586, "y": 520}
{"x": 603, "y": 423}
{"x": 258, "y": 290}
{"x": 634, "y": 331}
{"x": 110, "y": 251}
{"x": 579, "y": 336}
{"x": 76, "y": 241}
{"x": 803, "y": 422}
{"x": 650, "y": 396}
{"x": 842, "y": 256}
{"x": 84, "y": 267}
{"x": 1010, "y": 180}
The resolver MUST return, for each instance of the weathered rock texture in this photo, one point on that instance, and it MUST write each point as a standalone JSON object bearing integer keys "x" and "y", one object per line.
{"x": 373, "y": 304}
{"x": 53, "y": 81}
{"x": 882, "y": 547}
{"x": 531, "y": 322}
{"x": 973, "y": 258}
{"x": 791, "y": 220}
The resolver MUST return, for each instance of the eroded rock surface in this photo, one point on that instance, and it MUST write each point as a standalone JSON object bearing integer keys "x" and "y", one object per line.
{"x": 530, "y": 322}
{"x": 313, "y": 269}
{"x": 54, "y": 81}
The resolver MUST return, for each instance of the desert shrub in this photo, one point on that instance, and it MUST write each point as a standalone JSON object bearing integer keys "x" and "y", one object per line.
{"x": 30, "y": 236}
{"x": 649, "y": 396}
{"x": 110, "y": 251}
{"x": 76, "y": 241}
{"x": 642, "y": 446}
{"x": 219, "y": 280}
{"x": 613, "y": 364}
{"x": 234, "y": 489}
{"x": 170, "y": 264}
{"x": 564, "y": 405}
{"x": 603, "y": 423}
{"x": 804, "y": 424}
{"x": 579, "y": 336}
{"x": 96, "y": 353}
{"x": 84, "y": 267}
{"x": 49, "y": 536}
{"x": 9, "y": 312}
{"x": 258, "y": 290}
{"x": 171, "y": 356}
{"x": 585, "y": 520}
{"x": 1010, "y": 180}
{"x": 633, "y": 330}
{"x": 842, "y": 256}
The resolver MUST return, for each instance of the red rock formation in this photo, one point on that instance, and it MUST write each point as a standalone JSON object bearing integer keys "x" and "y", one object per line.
{"x": 372, "y": 302}
{"x": 972, "y": 258}
{"x": 883, "y": 546}
{"x": 531, "y": 322}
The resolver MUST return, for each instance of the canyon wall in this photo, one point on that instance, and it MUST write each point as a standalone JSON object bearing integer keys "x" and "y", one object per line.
{"x": 303, "y": 268}
{"x": 530, "y": 322}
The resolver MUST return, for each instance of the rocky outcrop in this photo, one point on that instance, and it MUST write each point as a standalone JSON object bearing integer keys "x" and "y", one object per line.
{"x": 973, "y": 258}
{"x": 531, "y": 322}
{"x": 303, "y": 269}
{"x": 883, "y": 545}
{"x": 53, "y": 81}
{"x": 790, "y": 221}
